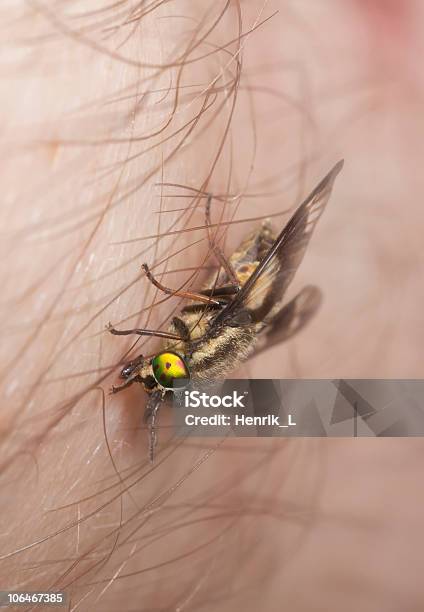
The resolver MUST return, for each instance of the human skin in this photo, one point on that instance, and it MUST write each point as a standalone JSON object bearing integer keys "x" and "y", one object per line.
{"x": 95, "y": 122}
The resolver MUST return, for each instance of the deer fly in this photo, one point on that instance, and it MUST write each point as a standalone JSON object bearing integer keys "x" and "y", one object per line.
{"x": 240, "y": 305}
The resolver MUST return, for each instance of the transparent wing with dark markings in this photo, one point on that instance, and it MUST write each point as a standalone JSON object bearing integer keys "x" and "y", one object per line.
{"x": 292, "y": 317}
{"x": 268, "y": 283}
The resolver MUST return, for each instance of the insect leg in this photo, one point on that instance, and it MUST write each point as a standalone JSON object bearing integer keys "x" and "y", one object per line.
{"x": 142, "y": 332}
{"x": 199, "y": 308}
{"x": 181, "y": 327}
{"x": 218, "y": 252}
{"x": 116, "y": 388}
{"x": 218, "y": 292}
{"x": 198, "y": 297}
{"x": 150, "y": 416}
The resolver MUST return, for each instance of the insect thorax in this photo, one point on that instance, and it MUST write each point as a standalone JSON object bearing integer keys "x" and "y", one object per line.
{"x": 213, "y": 354}
{"x": 226, "y": 348}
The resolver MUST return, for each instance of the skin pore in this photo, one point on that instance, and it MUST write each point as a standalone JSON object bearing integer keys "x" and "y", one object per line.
{"x": 119, "y": 118}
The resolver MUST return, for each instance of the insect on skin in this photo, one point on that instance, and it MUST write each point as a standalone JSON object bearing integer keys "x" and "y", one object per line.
{"x": 241, "y": 306}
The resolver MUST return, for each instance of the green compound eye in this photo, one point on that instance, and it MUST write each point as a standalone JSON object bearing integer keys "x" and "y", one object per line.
{"x": 169, "y": 367}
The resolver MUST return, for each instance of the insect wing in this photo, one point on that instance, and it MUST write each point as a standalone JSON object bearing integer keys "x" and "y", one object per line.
{"x": 275, "y": 271}
{"x": 292, "y": 317}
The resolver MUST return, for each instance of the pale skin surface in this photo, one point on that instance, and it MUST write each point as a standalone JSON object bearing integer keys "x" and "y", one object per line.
{"x": 256, "y": 524}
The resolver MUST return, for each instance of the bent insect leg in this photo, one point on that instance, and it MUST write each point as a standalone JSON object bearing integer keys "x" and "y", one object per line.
{"x": 142, "y": 332}
{"x": 198, "y": 297}
{"x": 116, "y": 388}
